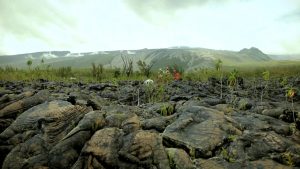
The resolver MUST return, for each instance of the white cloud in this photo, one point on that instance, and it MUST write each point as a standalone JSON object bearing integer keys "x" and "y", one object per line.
{"x": 92, "y": 25}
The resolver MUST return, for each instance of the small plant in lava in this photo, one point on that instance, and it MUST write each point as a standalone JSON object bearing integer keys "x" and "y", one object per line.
{"x": 232, "y": 83}
{"x": 291, "y": 93}
{"x": 166, "y": 109}
{"x": 266, "y": 77}
{"x": 218, "y": 66}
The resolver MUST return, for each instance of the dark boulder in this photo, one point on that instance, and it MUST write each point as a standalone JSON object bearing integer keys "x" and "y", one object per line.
{"x": 195, "y": 128}
{"x": 32, "y": 135}
{"x": 18, "y": 107}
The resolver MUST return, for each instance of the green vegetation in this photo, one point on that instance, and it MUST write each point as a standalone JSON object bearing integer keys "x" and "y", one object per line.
{"x": 291, "y": 92}
{"x": 154, "y": 92}
{"x": 227, "y": 156}
{"x": 232, "y": 83}
{"x": 127, "y": 65}
{"x": 166, "y": 109}
{"x": 242, "y": 104}
{"x": 292, "y": 128}
{"x": 99, "y": 73}
{"x": 232, "y": 79}
{"x": 218, "y": 66}
{"x": 29, "y": 63}
{"x": 287, "y": 159}
{"x": 117, "y": 72}
{"x": 63, "y": 72}
{"x": 145, "y": 69}
{"x": 232, "y": 138}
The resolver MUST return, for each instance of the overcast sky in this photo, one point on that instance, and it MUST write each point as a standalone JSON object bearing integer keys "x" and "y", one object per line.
{"x": 94, "y": 25}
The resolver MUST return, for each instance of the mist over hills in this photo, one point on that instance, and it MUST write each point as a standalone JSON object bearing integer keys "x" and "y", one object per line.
{"x": 295, "y": 57}
{"x": 187, "y": 58}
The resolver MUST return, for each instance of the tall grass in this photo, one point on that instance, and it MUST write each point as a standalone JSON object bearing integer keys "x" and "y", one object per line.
{"x": 86, "y": 74}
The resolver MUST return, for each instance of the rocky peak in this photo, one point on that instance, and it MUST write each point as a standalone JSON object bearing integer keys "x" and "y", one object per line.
{"x": 254, "y": 52}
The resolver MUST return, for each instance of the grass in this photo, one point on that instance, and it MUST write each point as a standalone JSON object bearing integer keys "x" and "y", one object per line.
{"x": 277, "y": 69}
{"x": 166, "y": 109}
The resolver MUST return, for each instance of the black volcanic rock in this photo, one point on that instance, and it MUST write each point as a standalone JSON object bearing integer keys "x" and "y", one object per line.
{"x": 105, "y": 127}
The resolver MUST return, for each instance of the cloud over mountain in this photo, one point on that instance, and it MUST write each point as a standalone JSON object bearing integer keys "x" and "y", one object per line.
{"x": 91, "y": 25}
{"x": 155, "y": 9}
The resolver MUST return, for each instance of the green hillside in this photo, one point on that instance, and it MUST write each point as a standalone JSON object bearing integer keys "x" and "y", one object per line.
{"x": 187, "y": 58}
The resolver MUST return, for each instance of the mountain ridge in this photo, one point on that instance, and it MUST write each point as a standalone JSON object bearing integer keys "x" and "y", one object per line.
{"x": 187, "y": 58}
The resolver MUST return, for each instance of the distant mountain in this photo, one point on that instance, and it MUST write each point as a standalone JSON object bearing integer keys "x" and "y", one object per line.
{"x": 254, "y": 53}
{"x": 187, "y": 58}
{"x": 21, "y": 59}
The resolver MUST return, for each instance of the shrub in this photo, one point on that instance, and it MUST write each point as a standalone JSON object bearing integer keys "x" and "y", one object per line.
{"x": 154, "y": 93}
{"x": 64, "y": 72}
{"x": 166, "y": 109}
{"x": 145, "y": 68}
{"x": 127, "y": 65}
{"x": 97, "y": 71}
{"x": 117, "y": 72}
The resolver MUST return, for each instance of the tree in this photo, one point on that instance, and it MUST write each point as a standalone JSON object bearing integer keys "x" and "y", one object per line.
{"x": 218, "y": 66}
{"x": 145, "y": 68}
{"x": 29, "y": 63}
{"x": 127, "y": 65}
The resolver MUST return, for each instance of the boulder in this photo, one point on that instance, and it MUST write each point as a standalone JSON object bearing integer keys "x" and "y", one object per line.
{"x": 261, "y": 144}
{"x": 91, "y": 121}
{"x": 273, "y": 112}
{"x": 217, "y": 163}
{"x": 158, "y": 123}
{"x": 257, "y": 122}
{"x": 266, "y": 164}
{"x": 24, "y": 104}
{"x": 199, "y": 130}
{"x": 10, "y": 98}
{"x": 178, "y": 158}
{"x": 101, "y": 151}
{"x": 32, "y": 135}
{"x": 66, "y": 152}
{"x": 4, "y": 123}
{"x": 143, "y": 148}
